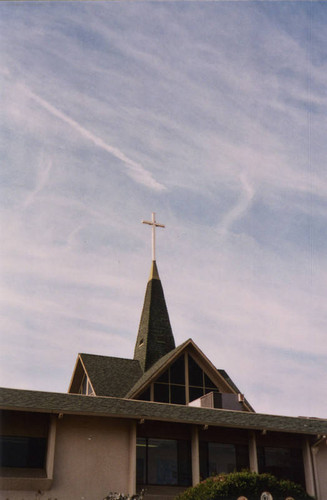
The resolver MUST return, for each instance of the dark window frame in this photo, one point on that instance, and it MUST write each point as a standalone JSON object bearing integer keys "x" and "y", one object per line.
{"x": 183, "y": 468}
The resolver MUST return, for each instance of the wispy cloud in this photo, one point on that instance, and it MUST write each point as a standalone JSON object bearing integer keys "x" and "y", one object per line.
{"x": 224, "y": 131}
{"x": 241, "y": 206}
{"x": 43, "y": 177}
{"x": 136, "y": 171}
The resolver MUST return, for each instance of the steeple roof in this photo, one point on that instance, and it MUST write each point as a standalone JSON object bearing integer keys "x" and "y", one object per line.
{"x": 155, "y": 337}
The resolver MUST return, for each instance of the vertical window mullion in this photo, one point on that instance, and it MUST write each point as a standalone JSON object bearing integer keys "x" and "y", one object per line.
{"x": 169, "y": 386}
{"x": 146, "y": 461}
{"x": 187, "y": 384}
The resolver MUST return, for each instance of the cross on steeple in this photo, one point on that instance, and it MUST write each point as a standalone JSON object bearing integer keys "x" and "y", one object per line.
{"x": 154, "y": 224}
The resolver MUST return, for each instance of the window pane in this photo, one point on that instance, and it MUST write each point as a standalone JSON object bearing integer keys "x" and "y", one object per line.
{"x": 222, "y": 458}
{"x": 161, "y": 393}
{"x": 145, "y": 396}
{"x": 195, "y": 373}
{"x": 21, "y": 451}
{"x": 209, "y": 389}
{"x": 242, "y": 457}
{"x": 177, "y": 394}
{"x": 177, "y": 372}
{"x": 162, "y": 461}
{"x": 219, "y": 457}
{"x": 164, "y": 377}
{"x": 208, "y": 382}
{"x": 285, "y": 463}
{"x": 204, "y": 465}
{"x": 141, "y": 461}
{"x": 83, "y": 388}
{"x": 184, "y": 463}
{"x": 195, "y": 393}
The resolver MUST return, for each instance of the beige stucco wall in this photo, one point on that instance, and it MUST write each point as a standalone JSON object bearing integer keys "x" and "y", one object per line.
{"x": 91, "y": 459}
{"x": 320, "y": 459}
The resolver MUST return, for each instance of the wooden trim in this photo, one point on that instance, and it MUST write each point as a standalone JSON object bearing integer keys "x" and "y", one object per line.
{"x": 187, "y": 382}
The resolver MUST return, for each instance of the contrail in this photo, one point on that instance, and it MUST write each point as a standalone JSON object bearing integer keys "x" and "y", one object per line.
{"x": 241, "y": 206}
{"x": 42, "y": 180}
{"x": 135, "y": 170}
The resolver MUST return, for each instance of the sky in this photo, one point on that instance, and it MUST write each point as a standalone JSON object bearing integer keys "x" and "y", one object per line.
{"x": 213, "y": 116}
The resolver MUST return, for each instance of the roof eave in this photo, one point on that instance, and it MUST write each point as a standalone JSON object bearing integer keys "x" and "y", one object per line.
{"x": 59, "y": 403}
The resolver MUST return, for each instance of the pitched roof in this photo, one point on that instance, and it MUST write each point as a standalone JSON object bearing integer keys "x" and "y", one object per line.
{"x": 109, "y": 376}
{"x": 155, "y": 337}
{"x": 48, "y": 402}
{"x": 162, "y": 362}
{"x": 160, "y": 365}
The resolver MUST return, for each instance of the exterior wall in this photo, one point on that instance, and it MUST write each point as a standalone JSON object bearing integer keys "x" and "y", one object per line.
{"x": 91, "y": 459}
{"x": 96, "y": 455}
{"x": 320, "y": 461}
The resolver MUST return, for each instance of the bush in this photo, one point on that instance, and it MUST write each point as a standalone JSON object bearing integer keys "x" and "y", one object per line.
{"x": 248, "y": 484}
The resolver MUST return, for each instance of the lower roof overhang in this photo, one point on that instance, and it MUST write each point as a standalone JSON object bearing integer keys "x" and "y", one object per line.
{"x": 73, "y": 404}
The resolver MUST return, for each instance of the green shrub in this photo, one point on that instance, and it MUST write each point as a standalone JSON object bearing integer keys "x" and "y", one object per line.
{"x": 248, "y": 484}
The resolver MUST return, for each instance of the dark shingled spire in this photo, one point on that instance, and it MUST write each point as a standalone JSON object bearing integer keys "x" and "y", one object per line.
{"x": 155, "y": 337}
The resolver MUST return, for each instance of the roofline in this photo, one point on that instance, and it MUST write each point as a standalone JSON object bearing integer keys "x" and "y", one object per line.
{"x": 86, "y": 373}
{"x": 234, "y": 389}
{"x": 74, "y": 404}
{"x": 155, "y": 373}
{"x": 74, "y": 370}
{"x": 177, "y": 351}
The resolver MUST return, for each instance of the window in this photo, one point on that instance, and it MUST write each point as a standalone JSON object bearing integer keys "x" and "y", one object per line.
{"x": 145, "y": 396}
{"x": 86, "y": 387}
{"x": 222, "y": 457}
{"x": 284, "y": 463}
{"x": 200, "y": 383}
{"x": 22, "y": 451}
{"x": 27, "y": 444}
{"x": 171, "y": 387}
{"x": 163, "y": 462}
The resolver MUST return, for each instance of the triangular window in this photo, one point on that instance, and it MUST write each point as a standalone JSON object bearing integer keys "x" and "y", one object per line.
{"x": 85, "y": 387}
{"x": 172, "y": 386}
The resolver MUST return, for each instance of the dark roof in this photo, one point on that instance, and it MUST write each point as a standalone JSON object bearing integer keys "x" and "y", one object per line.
{"x": 155, "y": 337}
{"x": 48, "y": 402}
{"x": 111, "y": 376}
{"x": 142, "y": 382}
{"x": 120, "y": 377}
{"x": 154, "y": 369}
{"x": 229, "y": 381}
{"x": 225, "y": 375}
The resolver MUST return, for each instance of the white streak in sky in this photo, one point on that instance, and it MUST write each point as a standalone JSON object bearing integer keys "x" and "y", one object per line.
{"x": 241, "y": 206}
{"x": 41, "y": 182}
{"x": 136, "y": 171}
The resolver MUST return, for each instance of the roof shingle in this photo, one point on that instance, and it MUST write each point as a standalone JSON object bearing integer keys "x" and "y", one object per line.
{"x": 16, "y": 399}
{"x": 111, "y": 376}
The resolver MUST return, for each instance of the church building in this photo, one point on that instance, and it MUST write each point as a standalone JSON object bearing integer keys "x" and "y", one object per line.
{"x": 162, "y": 421}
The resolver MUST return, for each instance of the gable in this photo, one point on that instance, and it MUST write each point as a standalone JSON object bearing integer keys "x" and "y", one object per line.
{"x": 104, "y": 375}
{"x": 182, "y": 376}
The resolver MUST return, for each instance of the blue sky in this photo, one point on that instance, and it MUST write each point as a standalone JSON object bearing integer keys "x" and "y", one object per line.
{"x": 212, "y": 115}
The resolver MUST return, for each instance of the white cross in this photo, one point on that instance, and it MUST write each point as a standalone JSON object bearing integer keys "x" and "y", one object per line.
{"x": 154, "y": 224}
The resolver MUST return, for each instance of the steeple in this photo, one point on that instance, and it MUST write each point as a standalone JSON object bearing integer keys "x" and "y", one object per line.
{"x": 155, "y": 337}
